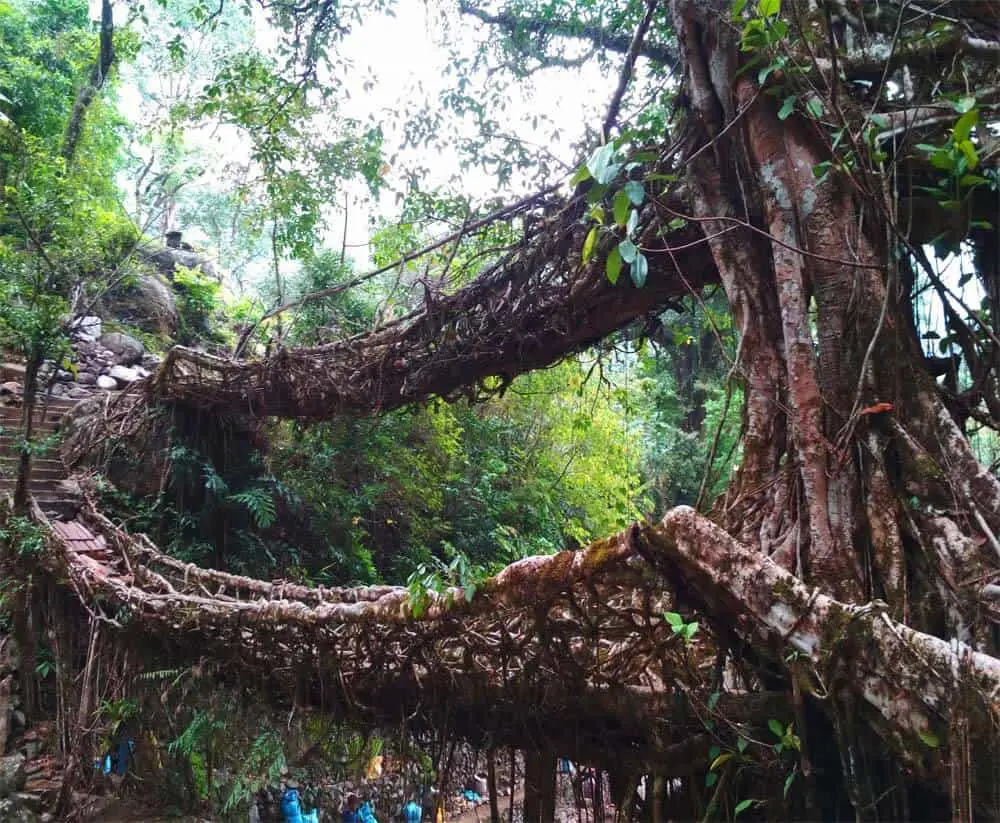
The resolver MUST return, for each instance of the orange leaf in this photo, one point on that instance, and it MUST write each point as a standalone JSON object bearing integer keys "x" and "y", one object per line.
{"x": 878, "y": 408}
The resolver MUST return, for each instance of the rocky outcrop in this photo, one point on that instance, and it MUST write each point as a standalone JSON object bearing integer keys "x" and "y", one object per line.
{"x": 166, "y": 260}
{"x": 147, "y": 302}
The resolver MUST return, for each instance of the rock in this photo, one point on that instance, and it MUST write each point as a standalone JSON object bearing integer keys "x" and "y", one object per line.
{"x": 123, "y": 375}
{"x": 63, "y": 376}
{"x": 167, "y": 260}
{"x": 127, "y": 349}
{"x": 13, "y": 812}
{"x": 86, "y": 328}
{"x": 86, "y": 378}
{"x": 78, "y": 392}
{"x": 108, "y": 383}
{"x": 11, "y": 775}
{"x": 10, "y": 394}
{"x": 149, "y": 304}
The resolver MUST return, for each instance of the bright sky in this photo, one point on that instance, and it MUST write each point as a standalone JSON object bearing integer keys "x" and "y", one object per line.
{"x": 398, "y": 61}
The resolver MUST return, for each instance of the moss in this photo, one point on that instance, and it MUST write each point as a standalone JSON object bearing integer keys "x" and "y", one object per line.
{"x": 784, "y": 592}
{"x": 835, "y": 630}
{"x": 927, "y": 467}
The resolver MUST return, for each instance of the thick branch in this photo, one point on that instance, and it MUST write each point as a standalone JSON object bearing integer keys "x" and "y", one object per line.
{"x": 598, "y": 36}
{"x": 98, "y": 75}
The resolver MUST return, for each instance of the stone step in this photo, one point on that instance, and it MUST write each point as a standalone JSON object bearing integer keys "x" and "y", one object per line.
{"x": 12, "y": 457}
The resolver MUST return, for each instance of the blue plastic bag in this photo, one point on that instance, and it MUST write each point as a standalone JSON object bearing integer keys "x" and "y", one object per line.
{"x": 412, "y": 813}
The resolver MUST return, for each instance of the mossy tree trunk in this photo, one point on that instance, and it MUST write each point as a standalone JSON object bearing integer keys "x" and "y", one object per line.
{"x": 855, "y": 477}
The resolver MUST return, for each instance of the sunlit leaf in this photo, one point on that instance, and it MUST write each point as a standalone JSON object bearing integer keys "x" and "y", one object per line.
{"x": 589, "y": 244}
{"x": 613, "y": 265}
{"x": 768, "y": 8}
{"x": 619, "y": 210}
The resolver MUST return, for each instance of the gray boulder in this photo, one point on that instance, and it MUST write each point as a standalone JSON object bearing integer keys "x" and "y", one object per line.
{"x": 107, "y": 383}
{"x": 123, "y": 375}
{"x": 86, "y": 378}
{"x": 86, "y": 328}
{"x": 12, "y": 775}
{"x": 148, "y": 303}
{"x": 127, "y": 349}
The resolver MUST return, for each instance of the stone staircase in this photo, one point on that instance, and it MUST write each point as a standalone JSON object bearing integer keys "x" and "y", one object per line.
{"x": 49, "y": 485}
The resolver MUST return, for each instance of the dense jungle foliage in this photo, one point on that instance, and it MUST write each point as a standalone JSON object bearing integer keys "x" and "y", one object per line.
{"x": 198, "y": 122}
{"x": 565, "y": 456}
{"x": 302, "y": 170}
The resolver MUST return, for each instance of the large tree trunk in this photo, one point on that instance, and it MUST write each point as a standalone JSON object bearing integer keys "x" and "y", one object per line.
{"x": 890, "y": 505}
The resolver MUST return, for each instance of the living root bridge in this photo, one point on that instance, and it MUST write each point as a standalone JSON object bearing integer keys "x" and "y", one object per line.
{"x": 532, "y": 308}
{"x": 571, "y": 646}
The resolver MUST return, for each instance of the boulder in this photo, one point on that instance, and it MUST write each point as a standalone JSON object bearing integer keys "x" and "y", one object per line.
{"x": 148, "y": 303}
{"x": 86, "y": 378}
{"x": 127, "y": 349}
{"x": 107, "y": 383}
{"x": 86, "y": 328}
{"x": 123, "y": 375}
{"x": 166, "y": 261}
{"x": 12, "y": 775}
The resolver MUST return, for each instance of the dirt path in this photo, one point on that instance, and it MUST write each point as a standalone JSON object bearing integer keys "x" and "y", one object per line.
{"x": 481, "y": 813}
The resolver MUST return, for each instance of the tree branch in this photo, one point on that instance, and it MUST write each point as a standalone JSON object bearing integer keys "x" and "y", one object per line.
{"x": 105, "y": 60}
{"x": 626, "y": 73}
{"x": 600, "y": 37}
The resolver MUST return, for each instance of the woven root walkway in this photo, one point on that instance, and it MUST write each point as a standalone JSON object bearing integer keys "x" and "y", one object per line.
{"x": 571, "y": 649}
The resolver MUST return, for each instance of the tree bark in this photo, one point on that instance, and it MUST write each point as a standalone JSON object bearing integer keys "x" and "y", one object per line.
{"x": 491, "y": 782}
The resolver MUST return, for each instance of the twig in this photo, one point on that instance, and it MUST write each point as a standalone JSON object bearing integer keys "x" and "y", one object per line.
{"x": 614, "y": 107}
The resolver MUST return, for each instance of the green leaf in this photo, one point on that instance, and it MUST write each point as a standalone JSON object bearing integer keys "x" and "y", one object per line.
{"x": 469, "y": 591}
{"x": 930, "y": 739}
{"x": 741, "y": 744}
{"x": 597, "y": 214}
{"x": 635, "y": 191}
{"x": 677, "y": 223}
{"x": 589, "y": 244}
{"x": 633, "y": 223}
{"x": 713, "y": 700}
{"x": 613, "y": 265}
{"x": 691, "y": 629}
{"x": 721, "y": 760}
{"x": 969, "y": 150}
{"x": 619, "y": 211}
{"x": 963, "y": 128}
{"x": 815, "y": 107}
{"x": 964, "y": 104}
{"x": 788, "y": 784}
{"x": 595, "y": 193}
{"x": 628, "y": 250}
{"x": 973, "y": 180}
{"x": 776, "y": 727}
{"x": 711, "y": 779}
{"x": 581, "y": 174}
{"x": 645, "y": 157}
{"x": 738, "y": 6}
{"x": 742, "y": 806}
{"x": 786, "y": 107}
{"x": 673, "y": 619}
{"x": 639, "y": 273}
{"x": 599, "y": 161}
{"x": 769, "y": 8}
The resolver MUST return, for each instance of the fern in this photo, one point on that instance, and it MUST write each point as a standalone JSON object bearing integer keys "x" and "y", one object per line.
{"x": 260, "y": 503}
